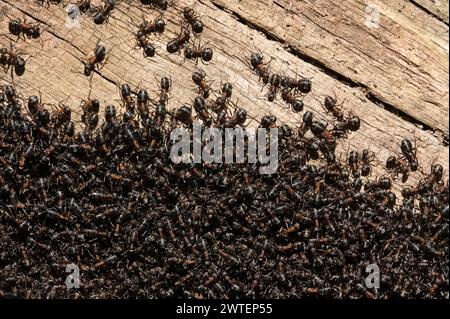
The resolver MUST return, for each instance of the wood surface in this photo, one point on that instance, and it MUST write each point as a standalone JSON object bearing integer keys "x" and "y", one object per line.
{"x": 395, "y": 77}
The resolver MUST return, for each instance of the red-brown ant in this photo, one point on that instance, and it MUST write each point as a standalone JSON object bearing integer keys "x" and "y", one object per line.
{"x": 199, "y": 78}
{"x": 190, "y": 16}
{"x": 176, "y": 44}
{"x": 204, "y": 53}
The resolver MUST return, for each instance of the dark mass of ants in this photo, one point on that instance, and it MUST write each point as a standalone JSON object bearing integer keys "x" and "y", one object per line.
{"x": 102, "y": 193}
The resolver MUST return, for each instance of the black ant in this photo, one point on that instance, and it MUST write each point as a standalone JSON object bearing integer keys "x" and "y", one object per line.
{"x": 104, "y": 13}
{"x": 221, "y": 101}
{"x": 200, "y": 109}
{"x": 9, "y": 58}
{"x": 149, "y": 49}
{"x": 239, "y": 117}
{"x": 367, "y": 158}
{"x": 156, "y": 26}
{"x": 199, "y": 78}
{"x": 275, "y": 84}
{"x": 330, "y": 106}
{"x": 190, "y": 16}
{"x": 174, "y": 45}
{"x": 142, "y": 103}
{"x": 352, "y": 123}
{"x": 306, "y": 123}
{"x": 398, "y": 166}
{"x": 93, "y": 61}
{"x": 256, "y": 62}
{"x": 84, "y": 6}
{"x": 204, "y": 53}
{"x": 164, "y": 86}
{"x": 409, "y": 152}
{"x": 353, "y": 162}
{"x": 22, "y": 28}
{"x": 184, "y": 115}
{"x": 303, "y": 85}
{"x": 292, "y": 100}
{"x": 125, "y": 93}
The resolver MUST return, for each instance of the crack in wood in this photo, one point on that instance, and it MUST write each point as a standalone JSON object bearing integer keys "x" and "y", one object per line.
{"x": 428, "y": 11}
{"x": 60, "y": 38}
{"x": 338, "y": 76}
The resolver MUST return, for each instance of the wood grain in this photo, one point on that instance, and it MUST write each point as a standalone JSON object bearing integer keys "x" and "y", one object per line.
{"x": 439, "y": 8}
{"x": 402, "y": 60}
{"x": 55, "y": 71}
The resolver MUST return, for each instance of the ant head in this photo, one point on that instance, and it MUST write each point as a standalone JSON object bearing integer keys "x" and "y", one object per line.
{"x": 35, "y": 31}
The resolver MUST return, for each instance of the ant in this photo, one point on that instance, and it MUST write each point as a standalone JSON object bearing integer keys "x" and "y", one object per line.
{"x": 184, "y": 115}
{"x": 104, "y": 13}
{"x": 199, "y": 78}
{"x": 398, "y": 166}
{"x": 190, "y": 16}
{"x": 142, "y": 103}
{"x": 290, "y": 98}
{"x": 221, "y": 101}
{"x": 352, "y": 123}
{"x": 200, "y": 109}
{"x": 275, "y": 84}
{"x": 204, "y": 53}
{"x": 22, "y": 28}
{"x": 9, "y": 58}
{"x": 330, "y": 106}
{"x": 409, "y": 152}
{"x": 256, "y": 62}
{"x": 367, "y": 158}
{"x": 125, "y": 93}
{"x": 174, "y": 45}
{"x": 142, "y": 42}
{"x": 435, "y": 177}
{"x": 239, "y": 118}
{"x": 306, "y": 123}
{"x": 90, "y": 108}
{"x": 303, "y": 85}
{"x": 268, "y": 121}
{"x": 93, "y": 61}
{"x": 84, "y": 5}
{"x": 164, "y": 86}
{"x": 353, "y": 162}
{"x": 319, "y": 130}
{"x": 158, "y": 25}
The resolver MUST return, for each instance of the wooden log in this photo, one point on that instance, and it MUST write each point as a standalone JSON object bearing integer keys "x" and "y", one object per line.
{"x": 438, "y": 8}
{"x": 392, "y": 48}
{"x": 56, "y": 70}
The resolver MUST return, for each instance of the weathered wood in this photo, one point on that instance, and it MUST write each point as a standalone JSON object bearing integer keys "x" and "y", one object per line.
{"x": 51, "y": 71}
{"x": 402, "y": 59}
{"x": 439, "y": 8}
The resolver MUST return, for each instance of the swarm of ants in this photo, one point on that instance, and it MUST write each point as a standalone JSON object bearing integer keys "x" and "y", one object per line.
{"x": 100, "y": 191}
{"x": 103, "y": 194}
